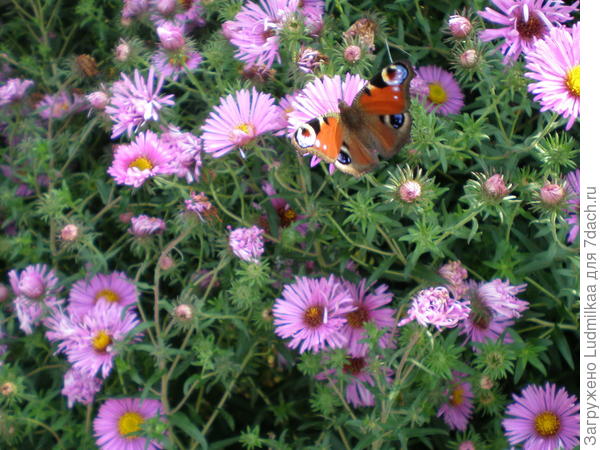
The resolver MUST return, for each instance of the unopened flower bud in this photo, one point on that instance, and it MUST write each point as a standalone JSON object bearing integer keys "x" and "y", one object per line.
{"x": 469, "y": 59}
{"x": 495, "y": 186}
{"x": 98, "y": 99}
{"x": 125, "y": 217}
{"x": 410, "y": 191}
{"x": 32, "y": 285}
{"x": 552, "y": 194}
{"x": 165, "y": 262}
{"x": 486, "y": 383}
{"x": 122, "y": 51}
{"x": 466, "y": 445}
{"x": 7, "y": 388}
{"x": 3, "y": 292}
{"x": 184, "y": 312}
{"x": 69, "y": 232}
{"x": 166, "y": 7}
{"x": 171, "y": 36}
{"x": 460, "y": 26}
{"x": 352, "y": 53}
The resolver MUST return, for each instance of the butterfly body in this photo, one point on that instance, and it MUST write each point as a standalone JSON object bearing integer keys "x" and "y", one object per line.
{"x": 377, "y": 123}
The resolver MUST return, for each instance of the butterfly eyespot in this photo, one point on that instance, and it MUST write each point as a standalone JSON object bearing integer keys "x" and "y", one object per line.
{"x": 344, "y": 157}
{"x": 396, "y": 120}
{"x": 395, "y": 74}
{"x": 305, "y": 136}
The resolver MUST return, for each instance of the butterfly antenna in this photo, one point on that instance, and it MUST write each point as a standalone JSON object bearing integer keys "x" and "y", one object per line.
{"x": 388, "y": 51}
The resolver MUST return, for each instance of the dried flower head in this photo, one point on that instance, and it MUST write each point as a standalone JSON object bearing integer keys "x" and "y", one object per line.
{"x": 87, "y": 65}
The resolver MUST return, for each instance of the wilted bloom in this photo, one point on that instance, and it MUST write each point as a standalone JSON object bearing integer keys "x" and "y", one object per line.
{"x": 435, "y": 306}
{"x": 112, "y": 288}
{"x": 443, "y": 95}
{"x": 469, "y": 58}
{"x": 500, "y": 297}
{"x": 309, "y": 59}
{"x": 122, "y": 51}
{"x": 170, "y": 35}
{"x": 144, "y": 158}
{"x": 258, "y": 73}
{"x": 460, "y": 26}
{"x": 133, "y": 103}
{"x": 410, "y": 191}
{"x": 456, "y": 275}
{"x": 87, "y": 65}
{"x": 69, "y": 233}
{"x": 552, "y": 194}
{"x": 184, "y": 312}
{"x": 523, "y": 22}
{"x": 200, "y": 205}
{"x": 367, "y": 308}
{"x": 143, "y": 225}
{"x": 98, "y": 99}
{"x": 543, "y": 418}
{"x": 79, "y": 387}
{"x": 457, "y": 411}
{"x": 312, "y": 312}
{"x": 352, "y": 53}
{"x": 186, "y": 150}
{"x": 238, "y": 119}
{"x": 573, "y": 205}
{"x": 118, "y": 418}
{"x": 554, "y": 64}
{"x": 495, "y": 187}
{"x": 247, "y": 243}
{"x": 364, "y": 29}
{"x": 13, "y": 90}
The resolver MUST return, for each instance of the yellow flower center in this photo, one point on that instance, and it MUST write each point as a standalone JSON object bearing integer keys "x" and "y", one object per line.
{"x": 313, "y": 316}
{"x": 108, "y": 295}
{"x": 142, "y": 163}
{"x": 100, "y": 341}
{"x": 244, "y": 127}
{"x": 547, "y": 424}
{"x": 437, "y": 94}
{"x": 130, "y": 423}
{"x": 572, "y": 81}
{"x": 456, "y": 398}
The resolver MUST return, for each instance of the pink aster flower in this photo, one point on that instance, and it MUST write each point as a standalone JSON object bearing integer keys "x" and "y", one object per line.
{"x": 112, "y": 288}
{"x": 133, "y": 8}
{"x": 573, "y": 210}
{"x": 501, "y": 298}
{"x": 443, "y": 95}
{"x": 172, "y": 63}
{"x": 171, "y": 36}
{"x": 144, "y": 158}
{"x": 238, "y": 119}
{"x": 191, "y": 14}
{"x": 312, "y": 312}
{"x": 543, "y": 418}
{"x": 523, "y": 22}
{"x": 457, "y": 411}
{"x": 90, "y": 342}
{"x": 247, "y": 243}
{"x": 13, "y": 90}
{"x": 435, "y": 306}
{"x": 456, "y": 275}
{"x": 287, "y": 215}
{"x": 118, "y": 418}
{"x": 554, "y": 64}
{"x": 79, "y": 387}
{"x": 313, "y": 11}
{"x": 60, "y": 105}
{"x": 186, "y": 150}
{"x": 35, "y": 294}
{"x": 133, "y": 103}
{"x": 367, "y": 308}
{"x": 143, "y": 225}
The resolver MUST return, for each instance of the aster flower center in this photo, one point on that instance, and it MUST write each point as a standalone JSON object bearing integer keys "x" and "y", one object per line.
{"x": 287, "y": 216}
{"x": 178, "y": 59}
{"x": 572, "y": 81}
{"x": 437, "y": 94}
{"x": 101, "y": 341}
{"x": 547, "y": 424}
{"x": 142, "y": 163}
{"x": 108, "y": 295}
{"x": 130, "y": 423}
{"x": 457, "y": 396}
{"x": 357, "y": 318}
{"x": 313, "y": 316}
{"x": 354, "y": 366}
{"x": 529, "y": 29}
{"x": 243, "y": 133}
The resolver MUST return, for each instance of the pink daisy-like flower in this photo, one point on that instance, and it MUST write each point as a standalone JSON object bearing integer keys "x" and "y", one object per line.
{"x": 554, "y": 64}
{"x": 247, "y": 243}
{"x": 435, "y": 306}
{"x": 501, "y": 298}
{"x": 186, "y": 150}
{"x": 112, "y": 288}
{"x": 287, "y": 215}
{"x": 79, "y": 387}
{"x": 523, "y": 22}
{"x": 133, "y": 103}
{"x": 543, "y": 418}
{"x": 172, "y": 63}
{"x": 90, "y": 341}
{"x": 238, "y": 119}
{"x": 132, "y": 8}
{"x": 13, "y": 90}
{"x": 144, "y": 158}
{"x": 573, "y": 210}
{"x": 118, "y": 418}
{"x": 60, "y": 105}
{"x": 313, "y": 11}
{"x": 443, "y": 95}
{"x": 35, "y": 294}
{"x": 456, "y": 275}
{"x": 143, "y": 225}
{"x": 312, "y": 312}
{"x": 367, "y": 308}
{"x": 459, "y": 407}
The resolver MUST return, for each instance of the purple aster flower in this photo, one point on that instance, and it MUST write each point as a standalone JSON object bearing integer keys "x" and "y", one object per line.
{"x": 60, "y": 105}
{"x": 118, "y": 418}
{"x": 133, "y": 103}
{"x": 112, "y": 288}
{"x": 554, "y": 64}
{"x": 247, "y": 243}
{"x": 238, "y": 119}
{"x": 313, "y": 11}
{"x": 171, "y": 36}
{"x": 143, "y": 225}
{"x": 523, "y": 22}
{"x": 79, "y": 387}
{"x": 287, "y": 215}
{"x": 13, "y": 90}
{"x": 133, "y": 8}
{"x": 191, "y": 15}
{"x": 480, "y": 327}
{"x": 501, "y": 298}
{"x": 367, "y": 308}
{"x": 35, "y": 294}
{"x": 172, "y": 63}
{"x": 90, "y": 342}
{"x": 186, "y": 150}
{"x": 443, "y": 94}
{"x": 435, "y": 306}
{"x": 456, "y": 275}
{"x": 543, "y": 418}
{"x": 457, "y": 411}
{"x": 312, "y": 312}
{"x": 573, "y": 210}
{"x": 141, "y": 159}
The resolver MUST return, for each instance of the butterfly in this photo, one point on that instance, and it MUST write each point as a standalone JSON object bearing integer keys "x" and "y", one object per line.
{"x": 377, "y": 123}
